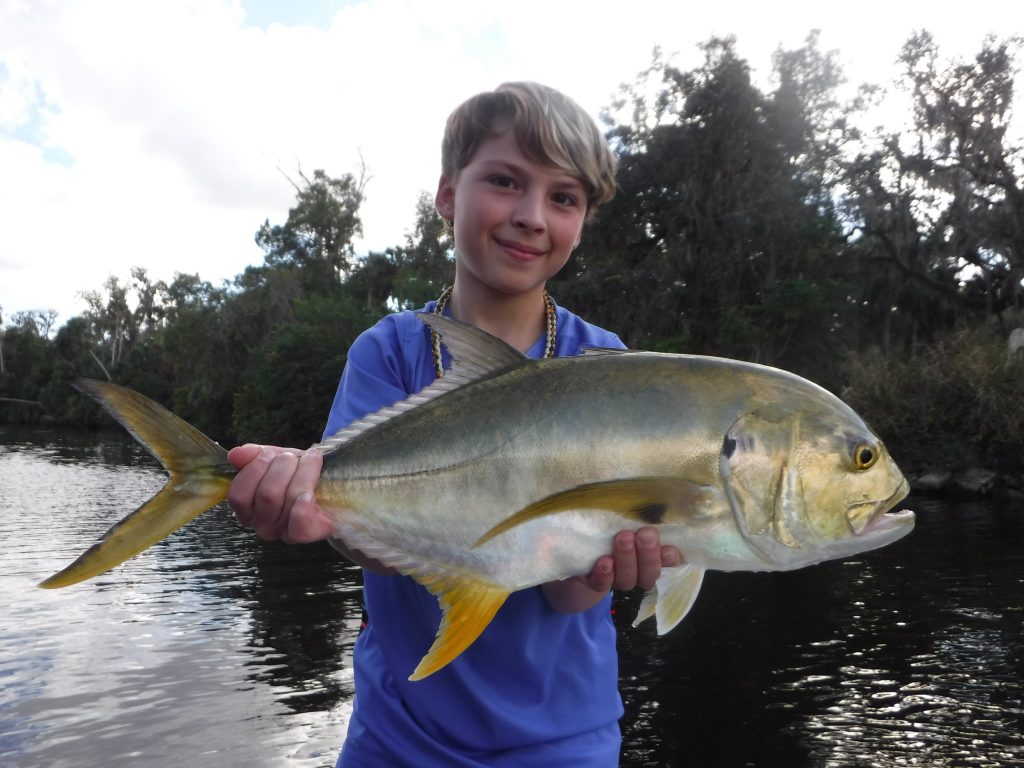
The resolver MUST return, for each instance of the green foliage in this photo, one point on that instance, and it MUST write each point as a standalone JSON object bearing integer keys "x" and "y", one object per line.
{"x": 953, "y": 403}
{"x": 755, "y": 223}
{"x": 939, "y": 210}
{"x": 426, "y": 264}
{"x": 317, "y": 237}
{"x": 26, "y": 369}
{"x": 290, "y": 384}
{"x": 721, "y": 215}
{"x": 408, "y": 276}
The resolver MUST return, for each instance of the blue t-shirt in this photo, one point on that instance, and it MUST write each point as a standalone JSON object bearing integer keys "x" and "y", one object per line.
{"x": 537, "y": 688}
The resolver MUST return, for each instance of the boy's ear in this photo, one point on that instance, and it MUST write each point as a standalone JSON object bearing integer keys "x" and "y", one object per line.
{"x": 444, "y": 200}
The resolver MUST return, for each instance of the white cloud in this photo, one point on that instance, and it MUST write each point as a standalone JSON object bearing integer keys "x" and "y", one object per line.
{"x": 159, "y": 134}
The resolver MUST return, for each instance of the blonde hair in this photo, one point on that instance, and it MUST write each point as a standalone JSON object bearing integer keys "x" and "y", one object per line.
{"x": 550, "y": 128}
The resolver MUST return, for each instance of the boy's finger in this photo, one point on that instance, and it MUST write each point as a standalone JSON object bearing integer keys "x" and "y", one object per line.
{"x": 307, "y": 522}
{"x": 269, "y": 501}
{"x": 670, "y": 556}
{"x": 648, "y": 557}
{"x": 242, "y": 493}
{"x": 241, "y": 455}
{"x": 305, "y": 476}
{"x": 624, "y": 552}
{"x": 602, "y": 575}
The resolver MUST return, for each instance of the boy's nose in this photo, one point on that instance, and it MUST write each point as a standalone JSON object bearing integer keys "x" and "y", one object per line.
{"x": 529, "y": 213}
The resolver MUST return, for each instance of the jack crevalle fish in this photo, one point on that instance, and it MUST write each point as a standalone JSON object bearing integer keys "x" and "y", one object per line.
{"x": 509, "y": 472}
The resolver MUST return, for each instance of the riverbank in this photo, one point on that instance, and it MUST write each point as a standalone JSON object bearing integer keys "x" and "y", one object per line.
{"x": 972, "y": 482}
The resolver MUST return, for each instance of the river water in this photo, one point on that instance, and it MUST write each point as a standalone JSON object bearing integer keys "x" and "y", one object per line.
{"x": 216, "y": 649}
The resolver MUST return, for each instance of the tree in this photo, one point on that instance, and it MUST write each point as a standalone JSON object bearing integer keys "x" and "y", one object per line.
{"x": 317, "y": 237}
{"x": 409, "y": 275}
{"x": 720, "y": 219}
{"x": 72, "y": 356}
{"x": 294, "y": 373}
{"x": 27, "y": 366}
{"x": 939, "y": 209}
{"x": 426, "y": 264}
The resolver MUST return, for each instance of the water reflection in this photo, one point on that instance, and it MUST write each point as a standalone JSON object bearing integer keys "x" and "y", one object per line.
{"x": 214, "y": 648}
{"x": 211, "y": 648}
{"x": 908, "y": 656}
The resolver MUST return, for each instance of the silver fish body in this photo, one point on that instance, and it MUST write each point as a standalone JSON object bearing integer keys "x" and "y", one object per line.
{"x": 730, "y": 460}
{"x": 508, "y": 473}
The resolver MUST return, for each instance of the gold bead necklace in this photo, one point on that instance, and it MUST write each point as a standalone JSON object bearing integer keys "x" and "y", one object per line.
{"x": 551, "y": 328}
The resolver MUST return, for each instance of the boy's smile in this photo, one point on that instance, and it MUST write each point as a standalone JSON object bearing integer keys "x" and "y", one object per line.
{"x": 516, "y": 221}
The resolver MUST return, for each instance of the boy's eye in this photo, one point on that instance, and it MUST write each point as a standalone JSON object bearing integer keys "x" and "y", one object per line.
{"x": 564, "y": 198}
{"x": 502, "y": 181}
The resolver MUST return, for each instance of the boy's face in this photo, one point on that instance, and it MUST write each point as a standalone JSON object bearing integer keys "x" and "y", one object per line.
{"x": 516, "y": 221}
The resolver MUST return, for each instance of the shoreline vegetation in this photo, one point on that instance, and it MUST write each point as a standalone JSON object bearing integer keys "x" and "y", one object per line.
{"x": 952, "y": 413}
{"x": 767, "y": 225}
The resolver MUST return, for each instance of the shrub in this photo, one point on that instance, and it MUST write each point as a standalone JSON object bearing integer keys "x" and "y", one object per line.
{"x": 951, "y": 404}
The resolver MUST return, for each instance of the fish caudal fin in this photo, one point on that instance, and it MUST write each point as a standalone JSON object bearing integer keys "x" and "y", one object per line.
{"x": 467, "y": 607}
{"x": 672, "y": 596}
{"x": 174, "y": 506}
{"x": 200, "y": 476}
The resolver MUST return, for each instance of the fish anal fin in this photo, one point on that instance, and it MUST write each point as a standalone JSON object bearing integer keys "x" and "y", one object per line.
{"x": 644, "y": 500}
{"x": 672, "y": 596}
{"x": 467, "y": 607}
{"x": 179, "y": 502}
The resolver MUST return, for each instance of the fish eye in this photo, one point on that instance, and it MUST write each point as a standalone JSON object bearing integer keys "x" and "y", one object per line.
{"x": 865, "y": 456}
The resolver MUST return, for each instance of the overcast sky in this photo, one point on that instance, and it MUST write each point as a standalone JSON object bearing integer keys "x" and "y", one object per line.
{"x": 160, "y": 134}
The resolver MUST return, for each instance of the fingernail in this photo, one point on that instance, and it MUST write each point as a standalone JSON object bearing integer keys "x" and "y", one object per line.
{"x": 306, "y": 497}
{"x": 267, "y": 454}
{"x": 645, "y": 539}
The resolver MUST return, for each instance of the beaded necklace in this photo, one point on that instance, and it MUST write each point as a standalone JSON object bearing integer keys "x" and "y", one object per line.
{"x": 551, "y": 328}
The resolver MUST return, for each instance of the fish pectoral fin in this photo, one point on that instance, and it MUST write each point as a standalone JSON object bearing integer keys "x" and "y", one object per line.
{"x": 645, "y": 500}
{"x": 179, "y": 502}
{"x": 672, "y": 597}
{"x": 467, "y": 607}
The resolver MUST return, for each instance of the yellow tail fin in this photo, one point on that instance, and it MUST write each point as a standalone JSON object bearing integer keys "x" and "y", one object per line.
{"x": 200, "y": 476}
{"x": 467, "y": 607}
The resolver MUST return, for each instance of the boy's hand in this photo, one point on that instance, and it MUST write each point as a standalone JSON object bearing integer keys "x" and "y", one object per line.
{"x": 636, "y": 561}
{"x": 273, "y": 493}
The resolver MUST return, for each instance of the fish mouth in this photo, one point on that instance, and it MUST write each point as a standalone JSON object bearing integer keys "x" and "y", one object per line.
{"x": 878, "y": 517}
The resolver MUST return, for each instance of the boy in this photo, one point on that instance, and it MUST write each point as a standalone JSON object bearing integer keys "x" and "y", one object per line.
{"x": 523, "y": 167}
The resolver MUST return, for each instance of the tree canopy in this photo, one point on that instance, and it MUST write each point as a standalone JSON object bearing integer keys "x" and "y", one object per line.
{"x": 761, "y": 223}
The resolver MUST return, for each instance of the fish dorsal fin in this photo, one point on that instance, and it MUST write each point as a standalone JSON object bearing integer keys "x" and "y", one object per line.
{"x": 604, "y": 351}
{"x": 672, "y": 596}
{"x": 475, "y": 355}
{"x": 645, "y": 500}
